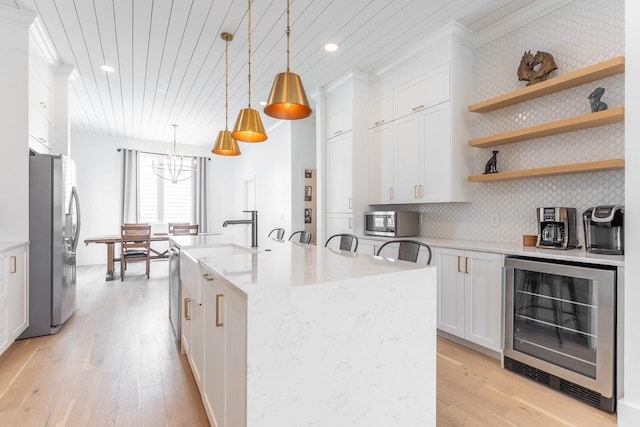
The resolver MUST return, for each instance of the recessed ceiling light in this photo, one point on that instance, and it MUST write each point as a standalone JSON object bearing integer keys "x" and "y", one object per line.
{"x": 331, "y": 47}
{"x": 107, "y": 68}
{"x": 263, "y": 103}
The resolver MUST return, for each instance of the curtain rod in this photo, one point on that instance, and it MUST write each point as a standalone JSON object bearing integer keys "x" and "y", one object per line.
{"x": 157, "y": 154}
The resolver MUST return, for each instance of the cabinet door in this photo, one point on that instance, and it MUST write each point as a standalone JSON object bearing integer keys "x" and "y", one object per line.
{"x": 339, "y": 122}
{"x": 436, "y": 154}
{"x": 196, "y": 354}
{"x": 17, "y": 292}
{"x": 381, "y": 160}
{"x": 368, "y": 247}
{"x": 407, "y": 159}
{"x": 425, "y": 91}
{"x": 451, "y": 287}
{"x": 340, "y": 174}
{"x": 380, "y": 111}
{"x": 483, "y": 299}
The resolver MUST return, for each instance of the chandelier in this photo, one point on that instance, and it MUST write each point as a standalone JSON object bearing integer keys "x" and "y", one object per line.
{"x": 174, "y": 168}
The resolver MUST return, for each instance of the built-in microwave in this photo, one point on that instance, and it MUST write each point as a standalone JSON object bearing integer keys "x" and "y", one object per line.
{"x": 391, "y": 223}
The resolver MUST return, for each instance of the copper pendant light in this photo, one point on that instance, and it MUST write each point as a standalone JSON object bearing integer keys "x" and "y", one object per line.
{"x": 225, "y": 145}
{"x": 249, "y": 127}
{"x": 287, "y": 100}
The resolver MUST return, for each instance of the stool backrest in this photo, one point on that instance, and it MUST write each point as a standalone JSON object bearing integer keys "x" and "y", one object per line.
{"x": 348, "y": 242}
{"x": 304, "y": 236}
{"x": 408, "y": 250}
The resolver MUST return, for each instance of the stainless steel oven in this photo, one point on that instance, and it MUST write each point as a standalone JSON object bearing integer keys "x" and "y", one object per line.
{"x": 560, "y": 326}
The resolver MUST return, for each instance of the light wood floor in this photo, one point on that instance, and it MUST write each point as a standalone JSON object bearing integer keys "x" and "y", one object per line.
{"x": 116, "y": 363}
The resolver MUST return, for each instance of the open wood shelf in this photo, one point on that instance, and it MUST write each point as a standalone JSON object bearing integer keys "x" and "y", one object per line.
{"x": 602, "y": 165}
{"x": 585, "y": 121}
{"x": 565, "y": 81}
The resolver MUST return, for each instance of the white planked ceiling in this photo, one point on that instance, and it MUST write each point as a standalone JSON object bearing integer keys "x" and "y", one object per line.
{"x": 169, "y": 57}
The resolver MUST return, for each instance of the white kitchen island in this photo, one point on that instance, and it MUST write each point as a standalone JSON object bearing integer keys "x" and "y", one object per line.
{"x": 307, "y": 336}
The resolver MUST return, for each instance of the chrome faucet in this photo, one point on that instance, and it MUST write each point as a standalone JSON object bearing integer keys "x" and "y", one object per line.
{"x": 254, "y": 226}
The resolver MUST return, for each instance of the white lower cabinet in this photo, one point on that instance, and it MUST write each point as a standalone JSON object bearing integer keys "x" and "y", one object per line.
{"x": 14, "y": 295}
{"x": 470, "y": 295}
{"x": 225, "y": 372}
{"x": 369, "y": 247}
{"x": 192, "y": 317}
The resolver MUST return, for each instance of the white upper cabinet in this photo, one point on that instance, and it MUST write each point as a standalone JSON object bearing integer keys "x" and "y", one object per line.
{"x": 381, "y": 164}
{"x": 339, "y": 111}
{"x": 380, "y": 110}
{"x": 425, "y": 91}
{"x": 425, "y": 144}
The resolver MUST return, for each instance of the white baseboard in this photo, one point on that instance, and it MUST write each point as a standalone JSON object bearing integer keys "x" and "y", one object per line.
{"x": 628, "y": 414}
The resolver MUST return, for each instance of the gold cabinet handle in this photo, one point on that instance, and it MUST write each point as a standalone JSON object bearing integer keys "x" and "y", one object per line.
{"x": 43, "y": 105}
{"x": 375, "y": 249}
{"x": 379, "y": 122}
{"x": 466, "y": 265}
{"x": 419, "y": 107}
{"x": 208, "y": 278}
{"x": 14, "y": 264}
{"x": 187, "y": 304}
{"x": 338, "y": 132}
{"x": 390, "y": 193}
{"x": 415, "y": 192}
{"x": 421, "y": 194}
{"x": 459, "y": 271}
{"x": 350, "y": 224}
{"x": 350, "y": 203}
{"x": 218, "y": 322}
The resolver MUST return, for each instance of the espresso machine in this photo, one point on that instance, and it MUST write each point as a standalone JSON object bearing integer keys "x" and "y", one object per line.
{"x": 557, "y": 228}
{"x": 604, "y": 229}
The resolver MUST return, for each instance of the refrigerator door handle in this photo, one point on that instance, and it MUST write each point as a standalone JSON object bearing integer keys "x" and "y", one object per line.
{"x": 73, "y": 200}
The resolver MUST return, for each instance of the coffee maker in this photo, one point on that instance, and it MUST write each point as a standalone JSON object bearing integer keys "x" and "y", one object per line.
{"x": 604, "y": 229}
{"x": 557, "y": 228}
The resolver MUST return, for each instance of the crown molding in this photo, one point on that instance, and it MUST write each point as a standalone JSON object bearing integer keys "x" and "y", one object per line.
{"x": 517, "y": 19}
{"x": 452, "y": 31}
{"x": 351, "y": 75}
{"x": 10, "y": 15}
{"x": 48, "y": 51}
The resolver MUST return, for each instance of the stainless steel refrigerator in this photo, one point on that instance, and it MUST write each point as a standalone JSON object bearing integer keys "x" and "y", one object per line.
{"x": 54, "y": 227}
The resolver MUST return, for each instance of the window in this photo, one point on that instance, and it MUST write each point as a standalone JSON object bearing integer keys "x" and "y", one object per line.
{"x": 161, "y": 200}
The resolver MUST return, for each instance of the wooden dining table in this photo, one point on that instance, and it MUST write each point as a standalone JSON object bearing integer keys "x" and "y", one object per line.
{"x": 111, "y": 240}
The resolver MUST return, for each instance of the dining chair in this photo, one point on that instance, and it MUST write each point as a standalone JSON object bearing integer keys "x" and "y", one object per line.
{"x": 348, "y": 242}
{"x": 135, "y": 246}
{"x": 191, "y": 230}
{"x": 408, "y": 250}
{"x": 173, "y": 224}
{"x": 279, "y": 233}
{"x": 304, "y": 236}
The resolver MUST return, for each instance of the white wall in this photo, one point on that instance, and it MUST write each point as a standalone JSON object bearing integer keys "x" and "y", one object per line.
{"x": 303, "y": 156}
{"x": 99, "y": 167}
{"x": 14, "y": 124}
{"x": 629, "y": 406}
{"x": 269, "y": 164}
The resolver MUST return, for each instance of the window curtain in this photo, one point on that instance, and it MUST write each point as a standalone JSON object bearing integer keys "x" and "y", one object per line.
{"x": 130, "y": 186}
{"x": 200, "y": 203}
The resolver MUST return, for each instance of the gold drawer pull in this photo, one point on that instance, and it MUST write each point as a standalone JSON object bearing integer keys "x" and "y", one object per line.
{"x": 338, "y": 132}
{"x": 379, "y": 122}
{"x": 419, "y": 107}
{"x": 459, "y": 271}
{"x": 14, "y": 264}
{"x": 208, "y": 278}
{"x": 466, "y": 265}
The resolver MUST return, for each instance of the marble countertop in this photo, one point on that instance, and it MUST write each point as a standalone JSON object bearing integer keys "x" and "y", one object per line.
{"x": 288, "y": 264}
{"x": 7, "y": 246}
{"x": 199, "y": 240}
{"x": 575, "y": 255}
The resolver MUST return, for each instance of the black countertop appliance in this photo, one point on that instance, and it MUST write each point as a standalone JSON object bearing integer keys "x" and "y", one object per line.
{"x": 604, "y": 229}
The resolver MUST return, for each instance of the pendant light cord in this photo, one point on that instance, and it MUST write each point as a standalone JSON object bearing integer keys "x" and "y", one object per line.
{"x": 226, "y": 84}
{"x": 174, "y": 138}
{"x": 288, "y": 36}
{"x": 249, "y": 44}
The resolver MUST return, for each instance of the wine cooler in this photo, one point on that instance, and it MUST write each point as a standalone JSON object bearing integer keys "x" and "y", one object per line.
{"x": 560, "y": 326}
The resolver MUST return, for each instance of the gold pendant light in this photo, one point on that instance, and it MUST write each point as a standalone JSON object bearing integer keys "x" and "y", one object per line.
{"x": 287, "y": 100}
{"x": 249, "y": 127}
{"x": 225, "y": 145}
